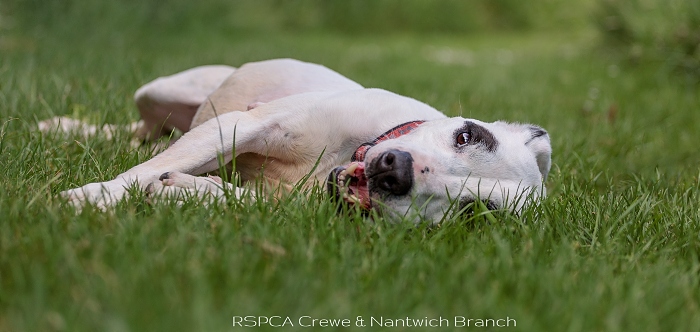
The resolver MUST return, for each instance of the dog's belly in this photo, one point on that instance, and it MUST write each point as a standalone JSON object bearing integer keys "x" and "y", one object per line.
{"x": 274, "y": 173}
{"x": 251, "y": 166}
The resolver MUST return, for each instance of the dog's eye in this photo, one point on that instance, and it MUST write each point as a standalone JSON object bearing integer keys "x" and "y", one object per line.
{"x": 462, "y": 139}
{"x": 474, "y": 134}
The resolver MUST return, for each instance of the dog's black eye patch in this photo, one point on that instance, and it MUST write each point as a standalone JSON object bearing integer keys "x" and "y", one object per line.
{"x": 472, "y": 133}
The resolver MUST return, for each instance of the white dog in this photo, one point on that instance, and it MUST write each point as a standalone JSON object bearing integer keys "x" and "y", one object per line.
{"x": 286, "y": 120}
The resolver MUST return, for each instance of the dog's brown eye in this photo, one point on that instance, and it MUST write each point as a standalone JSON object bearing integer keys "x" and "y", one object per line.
{"x": 462, "y": 138}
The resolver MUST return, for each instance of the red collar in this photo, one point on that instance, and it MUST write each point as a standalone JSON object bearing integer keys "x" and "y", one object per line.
{"x": 392, "y": 133}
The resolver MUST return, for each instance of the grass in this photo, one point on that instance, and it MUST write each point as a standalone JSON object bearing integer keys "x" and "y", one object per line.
{"x": 614, "y": 247}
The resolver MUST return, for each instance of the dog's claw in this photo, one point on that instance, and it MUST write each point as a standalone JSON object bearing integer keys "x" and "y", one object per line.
{"x": 164, "y": 176}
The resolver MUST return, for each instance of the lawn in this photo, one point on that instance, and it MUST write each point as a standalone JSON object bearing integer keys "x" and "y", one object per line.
{"x": 614, "y": 247}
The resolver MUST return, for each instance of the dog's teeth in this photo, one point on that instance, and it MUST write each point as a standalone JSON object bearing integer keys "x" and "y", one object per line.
{"x": 351, "y": 198}
{"x": 351, "y": 169}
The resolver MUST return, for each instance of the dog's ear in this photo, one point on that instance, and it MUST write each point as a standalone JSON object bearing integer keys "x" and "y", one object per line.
{"x": 538, "y": 143}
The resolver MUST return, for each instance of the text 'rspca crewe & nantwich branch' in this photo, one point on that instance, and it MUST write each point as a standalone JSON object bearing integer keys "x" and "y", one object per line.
{"x": 371, "y": 321}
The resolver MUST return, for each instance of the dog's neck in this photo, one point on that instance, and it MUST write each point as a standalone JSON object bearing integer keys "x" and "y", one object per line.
{"x": 392, "y": 133}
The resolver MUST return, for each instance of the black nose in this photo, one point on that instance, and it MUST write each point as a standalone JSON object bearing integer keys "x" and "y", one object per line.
{"x": 392, "y": 172}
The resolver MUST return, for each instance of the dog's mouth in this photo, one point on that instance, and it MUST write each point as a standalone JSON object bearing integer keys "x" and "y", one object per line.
{"x": 349, "y": 183}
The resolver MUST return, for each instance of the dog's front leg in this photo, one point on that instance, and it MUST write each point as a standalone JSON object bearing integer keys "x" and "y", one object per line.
{"x": 195, "y": 153}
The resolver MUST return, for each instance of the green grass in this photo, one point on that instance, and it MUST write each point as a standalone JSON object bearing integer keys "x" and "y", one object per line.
{"x": 614, "y": 247}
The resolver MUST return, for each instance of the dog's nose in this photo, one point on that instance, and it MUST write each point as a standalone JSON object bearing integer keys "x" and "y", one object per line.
{"x": 392, "y": 172}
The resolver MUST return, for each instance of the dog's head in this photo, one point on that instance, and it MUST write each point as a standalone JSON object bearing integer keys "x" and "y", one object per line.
{"x": 423, "y": 174}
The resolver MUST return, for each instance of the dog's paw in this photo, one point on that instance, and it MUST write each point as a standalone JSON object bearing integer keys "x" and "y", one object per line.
{"x": 182, "y": 180}
{"x": 100, "y": 194}
{"x": 176, "y": 186}
{"x": 180, "y": 187}
{"x": 64, "y": 125}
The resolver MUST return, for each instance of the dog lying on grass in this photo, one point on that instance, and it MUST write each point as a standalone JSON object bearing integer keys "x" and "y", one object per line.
{"x": 285, "y": 120}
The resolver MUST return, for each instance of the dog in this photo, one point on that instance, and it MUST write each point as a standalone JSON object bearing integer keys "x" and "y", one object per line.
{"x": 284, "y": 121}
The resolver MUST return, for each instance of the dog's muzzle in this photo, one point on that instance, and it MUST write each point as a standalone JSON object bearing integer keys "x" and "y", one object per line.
{"x": 391, "y": 173}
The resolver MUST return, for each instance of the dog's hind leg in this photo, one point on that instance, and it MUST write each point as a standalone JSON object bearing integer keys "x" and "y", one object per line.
{"x": 171, "y": 102}
{"x": 164, "y": 104}
{"x": 66, "y": 125}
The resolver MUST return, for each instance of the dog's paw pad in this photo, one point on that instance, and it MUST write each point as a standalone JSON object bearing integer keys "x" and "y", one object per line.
{"x": 167, "y": 178}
